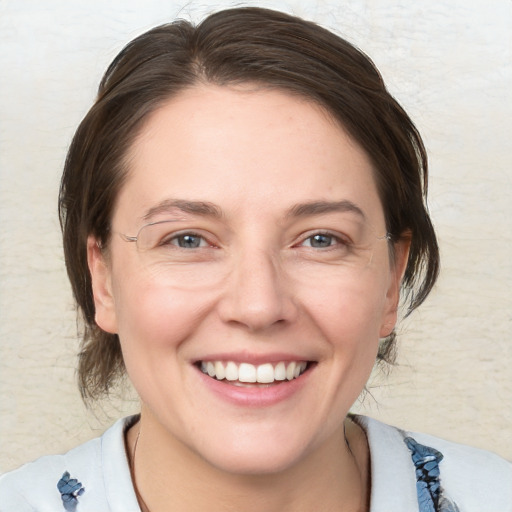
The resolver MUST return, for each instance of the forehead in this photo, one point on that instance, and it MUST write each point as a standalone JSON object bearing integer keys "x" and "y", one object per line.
{"x": 245, "y": 148}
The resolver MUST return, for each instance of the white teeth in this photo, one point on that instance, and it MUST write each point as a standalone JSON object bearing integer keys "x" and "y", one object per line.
{"x": 231, "y": 371}
{"x": 280, "y": 371}
{"x": 265, "y": 373}
{"x": 290, "y": 371}
{"x": 248, "y": 373}
{"x": 220, "y": 372}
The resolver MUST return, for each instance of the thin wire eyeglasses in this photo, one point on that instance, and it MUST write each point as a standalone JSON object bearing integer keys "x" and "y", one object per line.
{"x": 155, "y": 238}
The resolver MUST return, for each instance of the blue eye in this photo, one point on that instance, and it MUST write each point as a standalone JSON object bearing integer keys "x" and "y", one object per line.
{"x": 188, "y": 241}
{"x": 321, "y": 241}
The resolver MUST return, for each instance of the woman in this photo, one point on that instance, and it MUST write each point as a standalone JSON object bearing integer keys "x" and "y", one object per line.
{"x": 241, "y": 209}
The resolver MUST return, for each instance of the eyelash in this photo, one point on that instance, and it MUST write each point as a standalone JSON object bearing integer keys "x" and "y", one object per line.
{"x": 176, "y": 236}
{"x": 336, "y": 240}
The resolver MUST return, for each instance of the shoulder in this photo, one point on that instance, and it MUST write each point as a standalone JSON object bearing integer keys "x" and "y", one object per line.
{"x": 34, "y": 485}
{"x": 60, "y": 482}
{"x": 475, "y": 480}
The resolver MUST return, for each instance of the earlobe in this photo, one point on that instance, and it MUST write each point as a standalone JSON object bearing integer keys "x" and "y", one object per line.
{"x": 104, "y": 303}
{"x": 398, "y": 267}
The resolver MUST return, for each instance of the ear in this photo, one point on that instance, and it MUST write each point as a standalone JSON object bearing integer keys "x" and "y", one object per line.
{"x": 104, "y": 304}
{"x": 397, "y": 270}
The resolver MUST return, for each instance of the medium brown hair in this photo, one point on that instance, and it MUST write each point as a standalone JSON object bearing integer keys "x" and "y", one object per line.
{"x": 236, "y": 46}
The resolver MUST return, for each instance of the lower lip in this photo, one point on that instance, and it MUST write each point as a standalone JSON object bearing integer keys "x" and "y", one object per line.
{"x": 255, "y": 396}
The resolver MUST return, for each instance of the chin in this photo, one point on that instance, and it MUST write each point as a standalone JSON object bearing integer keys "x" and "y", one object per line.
{"x": 256, "y": 462}
{"x": 261, "y": 454}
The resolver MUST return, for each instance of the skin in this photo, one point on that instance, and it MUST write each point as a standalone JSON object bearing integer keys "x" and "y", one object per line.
{"x": 256, "y": 288}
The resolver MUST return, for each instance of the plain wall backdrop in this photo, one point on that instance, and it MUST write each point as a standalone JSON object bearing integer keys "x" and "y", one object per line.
{"x": 448, "y": 62}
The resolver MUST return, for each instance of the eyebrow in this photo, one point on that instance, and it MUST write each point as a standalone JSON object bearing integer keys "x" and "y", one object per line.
{"x": 321, "y": 207}
{"x": 203, "y": 208}
{"x": 207, "y": 209}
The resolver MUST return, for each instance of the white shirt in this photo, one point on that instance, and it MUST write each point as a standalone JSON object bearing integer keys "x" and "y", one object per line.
{"x": 475, "y": 480}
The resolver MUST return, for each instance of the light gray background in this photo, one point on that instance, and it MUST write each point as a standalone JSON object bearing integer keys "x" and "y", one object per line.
{"x": 447, "y": 61}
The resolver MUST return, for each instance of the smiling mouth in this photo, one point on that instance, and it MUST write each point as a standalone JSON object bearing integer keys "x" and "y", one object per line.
{"x": 242, "y": 374}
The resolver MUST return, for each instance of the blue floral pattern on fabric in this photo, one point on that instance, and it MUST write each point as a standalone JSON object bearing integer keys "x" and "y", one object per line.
{"x": 70, "y": 489}
{"x": 428, "y": 484}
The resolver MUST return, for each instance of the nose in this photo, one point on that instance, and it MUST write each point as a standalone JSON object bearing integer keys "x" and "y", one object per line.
{"x": 258, "y": 295}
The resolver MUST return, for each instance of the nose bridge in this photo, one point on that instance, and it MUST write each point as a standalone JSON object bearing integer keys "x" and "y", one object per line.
{"x": 258, "y": 293}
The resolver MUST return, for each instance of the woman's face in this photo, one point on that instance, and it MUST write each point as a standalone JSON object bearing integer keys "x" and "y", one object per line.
{"x": 273, "y": 258}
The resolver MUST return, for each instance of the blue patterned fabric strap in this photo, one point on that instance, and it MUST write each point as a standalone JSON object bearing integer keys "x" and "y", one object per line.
{"x": 70, "y": 489}
{"x": 428, "y": 483}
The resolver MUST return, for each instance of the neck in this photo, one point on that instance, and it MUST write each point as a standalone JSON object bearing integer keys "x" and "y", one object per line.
{"x": 334, "y": 477}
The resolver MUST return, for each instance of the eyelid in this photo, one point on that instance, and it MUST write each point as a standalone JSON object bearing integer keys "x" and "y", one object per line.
{"x": 175, "y": 240}
{"x": 190, "y": 232}
{"x": 340, "y": 237}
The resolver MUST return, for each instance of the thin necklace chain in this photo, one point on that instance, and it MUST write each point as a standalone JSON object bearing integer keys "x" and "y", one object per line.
{"x": 145, "y": 508}
{"x": 140, "y": 499}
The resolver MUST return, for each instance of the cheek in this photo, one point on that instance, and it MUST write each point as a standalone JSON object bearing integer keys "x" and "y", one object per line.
{"x": 349, "y": 312}
{"x": 153, "y": 319}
